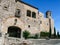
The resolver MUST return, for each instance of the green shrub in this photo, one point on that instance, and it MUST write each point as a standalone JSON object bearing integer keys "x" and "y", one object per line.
{"x": 31, "y": 37}
{"x": 26, "y": 34}
{"x": 50, "y": 33}
{"x": 36, "y": 36}
{"x": 54, "y": 32}
{"x": 58, "y": 35}
{"x": 44, "y": 34}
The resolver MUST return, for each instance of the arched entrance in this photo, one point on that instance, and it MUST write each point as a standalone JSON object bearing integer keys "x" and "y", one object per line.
{"x": 14, "y": 31}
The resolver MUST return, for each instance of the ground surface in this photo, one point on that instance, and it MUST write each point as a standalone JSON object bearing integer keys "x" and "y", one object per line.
{"x": 41, "y": 41}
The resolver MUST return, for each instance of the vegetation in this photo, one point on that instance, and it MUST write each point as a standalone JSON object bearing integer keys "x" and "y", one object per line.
{"x": 54, "y": 32}
{"x": 36, "y": 36}
{"x": 50, "y": 33}
{"x": 26, "y": 34}
{"x": 58, "y": 36}
{"x": 0, "y": 34}
{"x": 44, "y": 34}
{"x": 31, "y": 37}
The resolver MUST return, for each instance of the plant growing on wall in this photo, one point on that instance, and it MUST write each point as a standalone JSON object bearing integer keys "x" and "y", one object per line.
{"x": 58, "y": 36}
{"x": 26, "y": 34}
{"x": 50, "y": 33}
{"x": 36, "y": 36}
{"x": 54, "y": 32}
{"x": 44, "y": 34}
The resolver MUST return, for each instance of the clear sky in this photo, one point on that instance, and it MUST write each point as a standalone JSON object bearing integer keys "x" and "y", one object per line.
{"x": 52, "y": 5}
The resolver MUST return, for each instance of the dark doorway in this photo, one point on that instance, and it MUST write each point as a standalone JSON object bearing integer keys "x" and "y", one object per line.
{"x": 14, "y": 31}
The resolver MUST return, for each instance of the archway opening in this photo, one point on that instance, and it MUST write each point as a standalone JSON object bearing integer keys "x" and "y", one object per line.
{"x": 14, "y": 31}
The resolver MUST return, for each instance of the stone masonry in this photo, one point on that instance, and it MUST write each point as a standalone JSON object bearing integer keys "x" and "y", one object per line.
{"x": 33, "y": 25}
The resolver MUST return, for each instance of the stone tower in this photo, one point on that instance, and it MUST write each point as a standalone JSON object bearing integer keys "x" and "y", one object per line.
{"x": 48, "y": 14}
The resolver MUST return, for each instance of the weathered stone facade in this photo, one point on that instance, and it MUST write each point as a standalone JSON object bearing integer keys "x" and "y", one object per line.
{"x": 33, "y": 25}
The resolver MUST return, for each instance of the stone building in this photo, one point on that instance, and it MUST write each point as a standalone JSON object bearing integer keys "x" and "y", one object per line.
{"x": 17, "y": 16}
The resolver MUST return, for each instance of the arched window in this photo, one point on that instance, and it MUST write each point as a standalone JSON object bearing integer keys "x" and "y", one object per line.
{"x": 17, "y": 13}
{"x": 14, "y": 31}
{"x": 29, "y": 13}
{"x": 33, "y": 14}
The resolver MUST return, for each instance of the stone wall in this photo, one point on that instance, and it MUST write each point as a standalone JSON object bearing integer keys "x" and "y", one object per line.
{"x": 8, "y": 9}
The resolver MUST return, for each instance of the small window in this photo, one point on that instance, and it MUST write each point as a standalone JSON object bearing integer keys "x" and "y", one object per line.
{"x": 40, "y": 22}
{"x": 29, "y": 13}
{"x": 47, "y": 23}
{"x": 5, "y": 7}
{"x": 17, "y": 13}
{"x": 15, "y": 21}
{"x": 33, "y": 14}
{"x": 29, "y": 26}
{"x": 16, "y": 0}
{"x": 34, "y": 21}
{"x": 0, "y": 34}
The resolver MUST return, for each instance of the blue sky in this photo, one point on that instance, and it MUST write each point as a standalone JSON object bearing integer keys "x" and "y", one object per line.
{"x": 52, "y": 5}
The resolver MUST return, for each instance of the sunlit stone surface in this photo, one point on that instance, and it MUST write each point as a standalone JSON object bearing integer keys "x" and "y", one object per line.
{"x": 16, "y": 41}
{"x": 8, "y": 10}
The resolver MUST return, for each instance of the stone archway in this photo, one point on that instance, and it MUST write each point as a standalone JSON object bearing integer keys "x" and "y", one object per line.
{"x": 14, "y": 31}
{"x": 11, "y": 22}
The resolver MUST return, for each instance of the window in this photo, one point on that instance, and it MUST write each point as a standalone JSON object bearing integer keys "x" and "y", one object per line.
{"x": 17, "y": 13}
{"x": 16, "y": 0}
{"x": 5, "y": 7}
{"x": 29, "y": 13}
{"x": 0, "y": 34}
{"x": 29, "y": 26}
{"x": 14, "y": 31}
{"x": 15, "y": 21}
{"x": 40, "y": 22}
{"x": 33, "y": 14}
